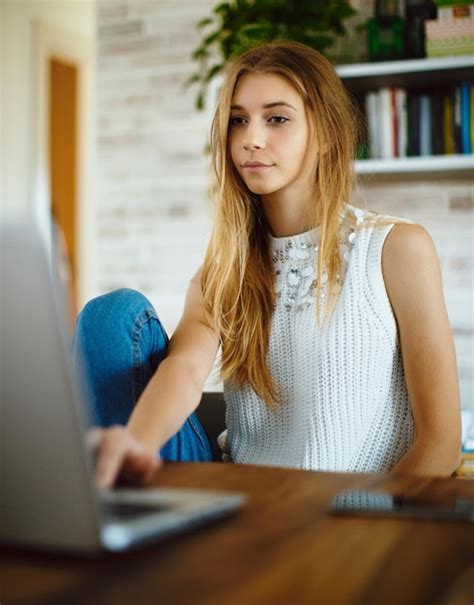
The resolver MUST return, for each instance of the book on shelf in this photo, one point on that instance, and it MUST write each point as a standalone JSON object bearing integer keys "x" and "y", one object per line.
{"x": 471, "y": 114}
{"x": 465, "y": 102}
{"x": 386, "y": 142}
{"x": 457, "y": 119}
{"x": 394, "y": 122}
{"x": 448, "y": 126}
{"x": 413, "y": 125}
{"x": 371, "y": 115}
{"x": 455, "y": 11}
{"x": 449, "y": 37}
{"x": 401, "y": 109}
{"x": 437, "y": 123}
{"x": 425, "y": 125}
{"x": 404, "y": 123}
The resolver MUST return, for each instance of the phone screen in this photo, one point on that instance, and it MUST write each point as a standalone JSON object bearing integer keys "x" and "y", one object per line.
{"x": 422, "y": 506}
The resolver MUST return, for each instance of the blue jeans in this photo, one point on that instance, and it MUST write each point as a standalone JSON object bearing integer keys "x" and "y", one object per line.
{"x": 118, "y": 344}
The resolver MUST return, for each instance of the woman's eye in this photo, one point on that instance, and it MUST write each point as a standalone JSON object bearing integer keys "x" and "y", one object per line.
{"x": 236, "y": 121}
{"x": 278, "y": 119}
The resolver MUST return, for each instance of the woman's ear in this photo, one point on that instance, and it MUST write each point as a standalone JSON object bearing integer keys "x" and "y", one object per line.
{"x": 323, "y": 148}
{"x": 321, "y": 145}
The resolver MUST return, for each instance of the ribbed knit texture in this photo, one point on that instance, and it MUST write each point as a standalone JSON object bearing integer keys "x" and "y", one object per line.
{"x": 343, "y": 405}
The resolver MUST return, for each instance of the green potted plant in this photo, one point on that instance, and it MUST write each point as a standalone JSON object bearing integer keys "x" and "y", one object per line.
{"x": 235, "y": 25}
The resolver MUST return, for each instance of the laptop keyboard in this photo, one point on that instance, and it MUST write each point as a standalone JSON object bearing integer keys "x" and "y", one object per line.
{"x": 125, "y": 512}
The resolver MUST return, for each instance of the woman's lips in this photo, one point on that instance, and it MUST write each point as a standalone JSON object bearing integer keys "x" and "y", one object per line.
{"x": 256, "y": 166}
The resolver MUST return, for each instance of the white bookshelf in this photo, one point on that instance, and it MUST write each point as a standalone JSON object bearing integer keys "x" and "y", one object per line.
{"x": 409, "y": 66}
{"x": 414, "y": 74}
{"x": 436, "y": 165}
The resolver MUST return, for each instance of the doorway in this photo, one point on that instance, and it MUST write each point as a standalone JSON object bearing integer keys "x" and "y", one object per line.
{"x": 63, "y": 155}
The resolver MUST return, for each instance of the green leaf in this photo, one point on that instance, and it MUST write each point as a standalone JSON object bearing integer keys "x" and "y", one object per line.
{"x": 222, "y": 9}
{"x": 252, "y": 29}
{"x": 200, "y": 53}
{"x": 215, "y": 69}
{"x": 200, "y": 101}
{"x": 192, "y": 80}
{"x": 212, "y": 38}
{"x": 204, "y": 22}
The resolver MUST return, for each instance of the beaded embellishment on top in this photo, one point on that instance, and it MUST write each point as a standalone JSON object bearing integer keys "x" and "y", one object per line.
{"x": 295, "y": 258}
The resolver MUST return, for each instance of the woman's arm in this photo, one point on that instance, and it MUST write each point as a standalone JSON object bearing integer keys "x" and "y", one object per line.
{"x": 175, "y": 390}
{"x": 172, "y": 394}
{"x": 413, "y": 282}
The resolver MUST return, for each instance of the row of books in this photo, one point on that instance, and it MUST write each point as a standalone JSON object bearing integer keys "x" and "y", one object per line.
{"x": 402, "y": 123}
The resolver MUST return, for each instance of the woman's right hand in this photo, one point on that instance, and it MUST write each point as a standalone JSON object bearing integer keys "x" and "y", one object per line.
{"x": 120, "y": 457}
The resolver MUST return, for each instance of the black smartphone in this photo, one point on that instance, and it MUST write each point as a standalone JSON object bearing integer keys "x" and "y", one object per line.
{"x": 422, "y": 506}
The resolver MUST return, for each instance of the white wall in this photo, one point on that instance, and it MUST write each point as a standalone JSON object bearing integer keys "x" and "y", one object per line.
{"x": 153, "y": 213}
{"x": 22, "y": 153}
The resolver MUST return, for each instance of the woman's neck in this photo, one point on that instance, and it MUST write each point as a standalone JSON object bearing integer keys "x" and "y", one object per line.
{"x": 286, "y": 217}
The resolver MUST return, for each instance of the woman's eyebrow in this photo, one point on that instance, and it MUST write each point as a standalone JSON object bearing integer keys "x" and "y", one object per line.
{"x": 268, "y": 105}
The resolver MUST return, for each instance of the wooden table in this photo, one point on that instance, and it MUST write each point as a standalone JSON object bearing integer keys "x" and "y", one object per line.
{"x": 282, "y": 547}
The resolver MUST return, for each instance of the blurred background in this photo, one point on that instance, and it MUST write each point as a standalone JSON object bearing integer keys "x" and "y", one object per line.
{"x": 98, "y": 129}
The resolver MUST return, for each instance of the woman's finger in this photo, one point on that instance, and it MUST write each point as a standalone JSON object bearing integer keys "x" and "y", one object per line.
{"x": 112, "y": 451}
{"x": 92, "y": 438}
{"x": 122, "y": 456}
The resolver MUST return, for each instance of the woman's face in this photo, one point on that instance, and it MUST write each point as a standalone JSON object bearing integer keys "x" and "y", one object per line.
{"x": 269, "y": 134}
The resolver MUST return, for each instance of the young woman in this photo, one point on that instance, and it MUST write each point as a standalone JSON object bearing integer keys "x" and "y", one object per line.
{"x": 336, "y": 349}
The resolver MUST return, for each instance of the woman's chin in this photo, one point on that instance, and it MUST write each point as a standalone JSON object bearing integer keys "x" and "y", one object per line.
{"x": 260, "y": 189}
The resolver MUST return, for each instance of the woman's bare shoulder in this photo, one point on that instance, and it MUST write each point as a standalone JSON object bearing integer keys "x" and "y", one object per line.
{"x": 410, "y": 264}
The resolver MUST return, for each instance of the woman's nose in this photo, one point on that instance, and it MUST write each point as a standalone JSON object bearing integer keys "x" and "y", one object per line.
{"x": 253, "y": 140}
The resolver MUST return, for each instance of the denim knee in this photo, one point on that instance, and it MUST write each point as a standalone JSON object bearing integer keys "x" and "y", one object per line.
{"x": 110, "y": 306}
{"x": 118, "y": 344}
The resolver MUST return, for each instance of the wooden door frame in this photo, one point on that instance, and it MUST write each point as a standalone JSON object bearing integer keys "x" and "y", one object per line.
{"x": 49, "y": 41}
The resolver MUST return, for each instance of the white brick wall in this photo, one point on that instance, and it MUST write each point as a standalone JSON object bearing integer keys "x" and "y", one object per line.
{"x": 154, "y": 215}
{"x": 153, "y": 211}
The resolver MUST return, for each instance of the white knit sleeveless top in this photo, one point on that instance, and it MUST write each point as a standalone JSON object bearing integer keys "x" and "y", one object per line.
{"x": 343, "y": 405}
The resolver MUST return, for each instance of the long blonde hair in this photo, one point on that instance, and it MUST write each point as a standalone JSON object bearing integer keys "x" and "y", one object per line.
{"x": 237, "y": 279}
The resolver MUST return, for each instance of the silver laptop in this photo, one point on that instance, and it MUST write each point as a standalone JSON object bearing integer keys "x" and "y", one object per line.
{"x": 47, "y": 493}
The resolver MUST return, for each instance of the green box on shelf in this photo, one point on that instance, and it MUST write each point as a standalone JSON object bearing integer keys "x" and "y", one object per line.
{"x": 386, "y": 39}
